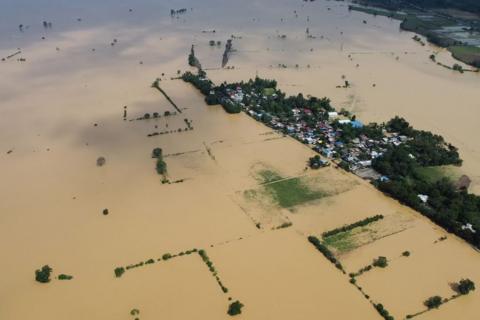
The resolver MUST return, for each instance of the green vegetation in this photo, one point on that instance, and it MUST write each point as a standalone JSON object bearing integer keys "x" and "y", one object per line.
{"x": 467, "y": 54}
{"x": 354, "y": 225}
{"x": 325, "y": 251}
{"x": 43, "y": 275}
{"x": 268, "y": 176}
{"x": 383, "y": 312}
{"x": 406, "y": 253}
{"x": 268, "y": 91}
{"x": 210, "y": 266}
{"x": 65, "y": 277}
{"x": 284, "y": 225}
{"x": 134, "y": 312}
{"x": 433, "y": 302}
{"x": 437, "y": 173}
{"x": 292, "y": 192}
{"x": 316, "y": 162}
{"x": 417, "y": 16}
{"x": 361, "y": 271}
{"x": 446, "y": 205}
{"x": 167, "y": 256}
{"x": 157, "y": 153}
{"x": 192, "y": 60}
{"x": 342, "y": 242}
{"x": 161, "y": 165}
{"x": 235, "y": 308}
{"x": 119, "y": 271}
{"x": 380, "y": 262}
{"x": 105, "y": 212}
{"x": 464, "y": 286}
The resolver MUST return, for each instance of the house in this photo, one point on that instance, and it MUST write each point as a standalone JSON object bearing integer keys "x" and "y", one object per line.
{"x": 332, "y": 115}
{"x": 469, "y": 227}
{"x": 344, "y": 121}
{"x": 423, "y": 198}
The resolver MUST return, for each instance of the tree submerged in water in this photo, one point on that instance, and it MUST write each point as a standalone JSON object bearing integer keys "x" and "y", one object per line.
{"x": 101, "y": 161}
{"x": 43, "y": 275}
{"x": 235, "y": 308}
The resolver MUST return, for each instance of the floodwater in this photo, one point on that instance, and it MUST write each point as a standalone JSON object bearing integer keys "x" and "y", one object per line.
{"x": 62, "y": 108}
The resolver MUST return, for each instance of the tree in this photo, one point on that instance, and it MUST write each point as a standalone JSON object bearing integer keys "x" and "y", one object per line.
{"x": 119, "y": 271}
{"x": 433, "y": 302}
{"x": 235, "y": 308}
{"x": 380, "y": 262}
{"x": 65, "y": 277}
{"x": 101, "y": 161}
{"x": 43, "y": 275}
{"x": 161, "y": 166}
{"x": 464, "y": 286}
{"x": 157, "y": 153}
{"x": 399, "y": 125}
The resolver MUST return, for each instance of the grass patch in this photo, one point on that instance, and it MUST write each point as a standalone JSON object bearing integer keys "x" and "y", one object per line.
{"x": 292, "y": 192}
{"x": 268, "y": 176}
{"x": 467, "y": 54}
{"x": 434, "y": 174}
{"x": 341, "y": 242}
{"x": 268, "y": 91}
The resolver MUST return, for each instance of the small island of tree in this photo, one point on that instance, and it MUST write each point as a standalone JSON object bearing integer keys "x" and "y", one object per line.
{"x": 235, "y": 308}
{"x": 464, "y": 286}
{"x": 433, "y": 302}
{"x": 43, "y": 275}
{"x": 380, "y": 262}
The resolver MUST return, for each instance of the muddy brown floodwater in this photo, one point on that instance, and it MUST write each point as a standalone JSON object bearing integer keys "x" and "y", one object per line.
{"x": 62, "y": 109}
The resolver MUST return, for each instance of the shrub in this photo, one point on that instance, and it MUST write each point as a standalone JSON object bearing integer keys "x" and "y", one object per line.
{"x": 166, "y": 256}
{"x": 235, "y": 308}
{"x": 383, "y": 312}
{"x": 43, "y": 275}
{"x": 380, "y": 262}
{"x": 465, "y": 286}
{"x": 433, "y": 302}
{"x": 161, "y": 166}
{"x": 349, "y": 227}
{"x": 65, "y": 277}
{"x": 119, "y": 271}
{"x": 101, "y": 161}
{"x": 325, "y": 251}
{"x": 157, "y": 153}
{"x": 134, "y": 312}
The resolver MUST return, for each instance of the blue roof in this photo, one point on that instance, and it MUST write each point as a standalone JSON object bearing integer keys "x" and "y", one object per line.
{"x": 356, "y": 124}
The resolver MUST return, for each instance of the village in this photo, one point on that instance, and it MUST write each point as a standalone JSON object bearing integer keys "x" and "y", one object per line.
{"x": 338, "y": 136}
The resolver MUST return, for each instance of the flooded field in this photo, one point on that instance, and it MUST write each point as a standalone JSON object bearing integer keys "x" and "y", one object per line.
{"x": 63, "y": 108}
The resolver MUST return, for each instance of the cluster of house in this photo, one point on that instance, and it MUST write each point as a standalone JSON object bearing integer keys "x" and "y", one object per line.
{"x": 321, "y": 135}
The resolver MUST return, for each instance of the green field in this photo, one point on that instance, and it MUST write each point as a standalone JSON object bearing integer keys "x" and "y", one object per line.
{"x": 467, "y": 54}
{"x": 433, "y": 174}
{"x": 292, "y": 192}
{"x": 341, "y": 242}
{"x": 268, "y": 176}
